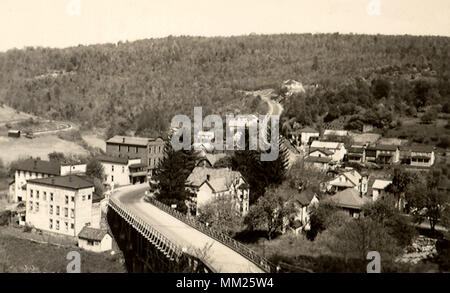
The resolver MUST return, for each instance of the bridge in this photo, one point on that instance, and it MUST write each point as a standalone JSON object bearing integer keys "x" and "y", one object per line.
{"x": 158, "y": 238}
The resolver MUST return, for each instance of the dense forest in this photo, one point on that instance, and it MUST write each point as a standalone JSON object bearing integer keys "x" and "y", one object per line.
{"x": 141, "y": 85}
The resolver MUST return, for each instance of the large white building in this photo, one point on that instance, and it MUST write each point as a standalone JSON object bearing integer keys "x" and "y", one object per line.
{"x": 60, "y": 204}
{"x": 120, "y": 171}
{"x": 35, "y": 169}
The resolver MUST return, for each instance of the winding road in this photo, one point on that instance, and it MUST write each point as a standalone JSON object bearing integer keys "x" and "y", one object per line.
{"x": 218, "y": 256}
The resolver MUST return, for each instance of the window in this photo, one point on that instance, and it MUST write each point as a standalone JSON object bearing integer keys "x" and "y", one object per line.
{"x": 84, "y": 197}
{"x": 90, "y": 242}
{"x": 67, "y": 226}
{"x": 67, "y": 199}
{"x": 51, "y": 210}
{"x": 66, "y": 212}
{"x": 119, "y": 147}
{"x": 89, "y": 196}
{"x": 51, "y": 224}
{"x": 112, "y": 178}
{"x": 44, "y": 196}
{"x": 128, "y": 148}
{"x": 72, "y": 213}
{"x": 112, "y": 168}
{"x": 136, "y": 150}
{"x": 31, "y": 205}
{"x": 51, "y": 196}
{"x": 37, "y": 194}
{"x": 57, "y": 210}
{"x": 123, "y": 169}
{"x": 37, "y": 207}
{"x": 57, "y": 225}
{"x": 71, "y": 226}
{"x": 31, "y": 193}
{"x": 72, "y": 198}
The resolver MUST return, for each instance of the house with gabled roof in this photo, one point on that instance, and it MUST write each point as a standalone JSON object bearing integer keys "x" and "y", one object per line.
{"x": 351, "y": 201}
{"x": 417, "y": 156}
{"x": 319, "y": 163}
{"x": 209, "y": 183}
{"x": 95, "y": 240}
{"x": 120, "y": 171}
{"x": 337, "y": 148}
{"x": 349, "y": 179}
{"x": 379, "y": 188}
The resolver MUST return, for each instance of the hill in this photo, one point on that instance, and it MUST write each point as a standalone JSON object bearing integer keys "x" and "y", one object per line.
{"x": 141, "y": 85}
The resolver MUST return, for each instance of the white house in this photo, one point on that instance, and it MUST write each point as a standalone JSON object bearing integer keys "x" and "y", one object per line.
{"x": 379, "y": 187}
{"x": 305, "y": 135}
{"x": 121, "y": 171}
{"x": 351, "y": 201}
{"x": 350, "y": 179}
{"x": 303, "y": 203}
{"x": 319, "y": 163}
{"x": 96, "y": 240}
{"x": 208, "y": 183}
{"x": 337, "y": 148}
{"x": 332, "y": 132}
{"x": 61, "y": 204}
{"x": 292, "y": 87}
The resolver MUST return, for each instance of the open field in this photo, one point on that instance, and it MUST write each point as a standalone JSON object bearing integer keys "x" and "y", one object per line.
{"x": 94, "y": 141}
{"x": 8, "y": 114}
{"x": 24, "y": 256}
{"x": 15, "y": 148}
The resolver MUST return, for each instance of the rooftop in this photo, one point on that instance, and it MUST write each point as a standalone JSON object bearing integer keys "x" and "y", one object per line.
{"x": 326, "y": 144}
{"x": 317, "y": 159}
{"x": 418, "y": 148}
{"x": 94, "y": 234}
{"x": 35, "y": 165}
{"x": 130, "y": 140}
{"x": 111, "y": 159}
{"x": 386, "y": 147}
{"x": 71, "y": 181}
{"x": 350, "y": 198}
{"x": 322, "y": 150}
{"x": 200, "y": 174}
{"x": 381, "y": 184}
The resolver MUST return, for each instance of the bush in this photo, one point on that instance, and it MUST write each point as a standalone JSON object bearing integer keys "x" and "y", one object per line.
{"x": 444, "y": 142}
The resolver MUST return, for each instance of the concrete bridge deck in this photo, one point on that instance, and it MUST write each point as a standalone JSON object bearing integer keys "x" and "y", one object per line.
{"x": 219, "y": 257}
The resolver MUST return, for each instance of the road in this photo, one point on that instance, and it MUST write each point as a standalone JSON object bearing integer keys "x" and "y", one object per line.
{"x": 218, "y": 256}
{"x": 276, "y": 108}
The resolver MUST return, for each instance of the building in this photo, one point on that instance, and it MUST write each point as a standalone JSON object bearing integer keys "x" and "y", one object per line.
{"x": 356, "y": 154}
{"x": 149, "y": 150}
{"x": 379, "y": 188}
{"x": 303, "y": 203}
{"x": 349, "y": 179}
{"x": 305, "y": 136}
{"x": 35, "y": 168}
{"x": 337, "y": 148}
{"x": 121, "y": 171}
{"x": 60, "y": 204}
{"x": 417, "y": 156}
{"x": 335, "y": 133}
{"x": 14, "y": 133}
{"x": 95, "y": 240}
{"x": 351, "y": 201}
{"x": 319, "y": 163}
{"x": 209, "y": 183}
{"x": 387, "y": 154}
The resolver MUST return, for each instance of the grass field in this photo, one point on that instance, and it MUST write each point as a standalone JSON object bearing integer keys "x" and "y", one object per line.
{"x": 8, "y": 114}
{"x": 24, "y": 256}
{"x": 15, "y": 148}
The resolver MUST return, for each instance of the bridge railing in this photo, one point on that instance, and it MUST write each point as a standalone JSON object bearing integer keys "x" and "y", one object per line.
{"x": 242, "y": 249}
{"x": 166, "y": 246}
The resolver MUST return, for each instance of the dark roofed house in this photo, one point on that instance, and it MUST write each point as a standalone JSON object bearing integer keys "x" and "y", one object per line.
{"x": 96, "y": 240}
{"x": 418, "y": 156}
{"x": 318, "y": 163}
{"x": 350, "y": 200}
{"x": 40, "y": 166}
{"x": 387, "y": 154}
{"x": 14, "y": 133}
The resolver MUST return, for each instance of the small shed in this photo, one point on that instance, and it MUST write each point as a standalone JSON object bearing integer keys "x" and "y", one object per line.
{"x": 14, "y": 133}
{"x": 93, "y": 239}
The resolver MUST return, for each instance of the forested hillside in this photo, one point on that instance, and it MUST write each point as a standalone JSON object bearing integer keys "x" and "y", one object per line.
{"x": 141, "y": 85}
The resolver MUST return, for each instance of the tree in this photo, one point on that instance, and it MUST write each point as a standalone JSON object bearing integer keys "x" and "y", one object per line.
{"x": 94, "y": 169}
{"x": 269, "y": 213}
{"x": 171, "y": 176}
{"x": 56, "y": 156}
{"x": 325, "y": 216}
{"x": 221, "y": 215}
{"x": 383, "y": 212}
{"x": 381, "y": 88}
{"x": 399, "y": 186}
{"x": 428, "y": 203}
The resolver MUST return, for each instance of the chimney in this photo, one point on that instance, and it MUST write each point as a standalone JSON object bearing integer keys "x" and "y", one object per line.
{"x": 123, "y": 139}
{"x": 208, "y": 177}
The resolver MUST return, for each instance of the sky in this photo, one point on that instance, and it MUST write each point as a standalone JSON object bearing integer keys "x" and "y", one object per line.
{"x": 64, "y": 23}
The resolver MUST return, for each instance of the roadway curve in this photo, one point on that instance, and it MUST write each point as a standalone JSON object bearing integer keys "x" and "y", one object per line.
{"x": 219, "y": 257}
